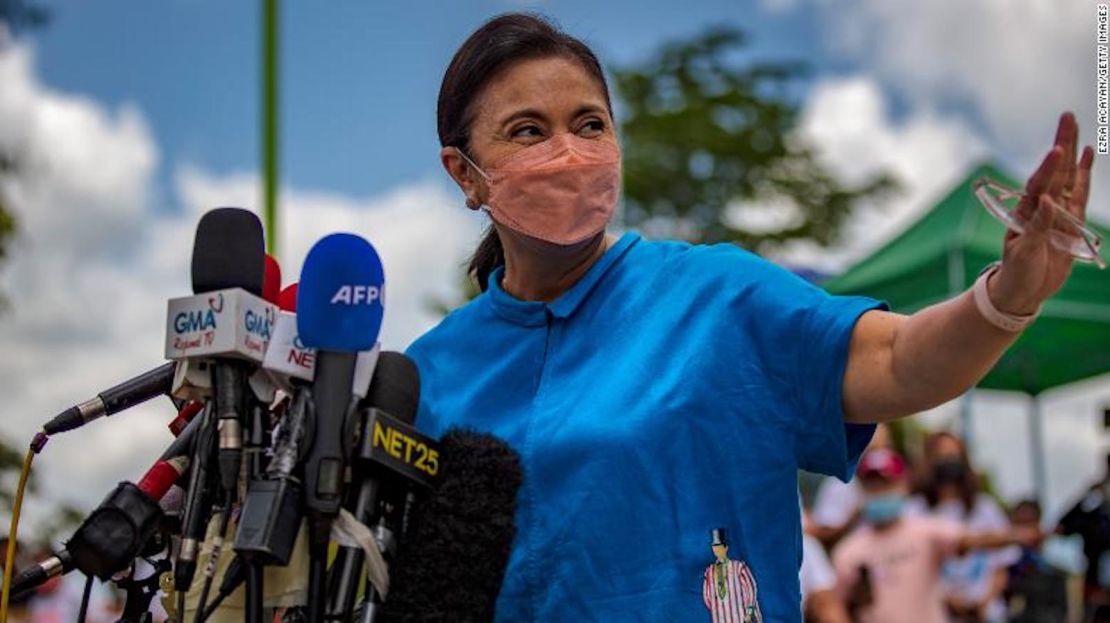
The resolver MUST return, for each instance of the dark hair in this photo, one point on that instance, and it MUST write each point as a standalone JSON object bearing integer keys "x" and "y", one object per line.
{"x": 928, "y": 486}
{"x": 497, "y": 45}
{"x": 1031, "y": 505}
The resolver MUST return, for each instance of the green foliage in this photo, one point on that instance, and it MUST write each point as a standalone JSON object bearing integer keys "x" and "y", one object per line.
{"x": 701, "y": 133}
{"x": 7, "y": 221}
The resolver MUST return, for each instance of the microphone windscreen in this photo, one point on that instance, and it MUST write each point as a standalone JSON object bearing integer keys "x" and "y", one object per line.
{"x": 339, "y": 299}
{"x": 287, "y": 300}
{"x": 271, "y": 279}
{"x": 395, "y": 386}
{"x": 228, "y": 251}
{"x": 452, "y": 559}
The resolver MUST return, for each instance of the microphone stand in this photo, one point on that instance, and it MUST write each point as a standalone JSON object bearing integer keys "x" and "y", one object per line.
{"x": 198, "y": 507}
{"x": 373, "y": 502}
{"x": 324, "y": 466}
{"x": 255, "y": 447}
{"x": 136, "y": 608}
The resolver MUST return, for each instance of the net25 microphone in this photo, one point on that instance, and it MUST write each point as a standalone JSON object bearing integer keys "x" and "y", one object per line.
{"x": 339, "y": 313}
{"x": 452, "y": 561}
{"x": 390, "y": 460}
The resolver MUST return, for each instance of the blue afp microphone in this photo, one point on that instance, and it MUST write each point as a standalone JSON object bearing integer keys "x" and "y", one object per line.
{"x": 339, "y": 313}
{"x": 340, "y": 296}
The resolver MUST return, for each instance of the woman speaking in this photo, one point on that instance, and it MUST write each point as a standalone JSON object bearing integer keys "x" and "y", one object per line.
{"x": 663, "y": 395}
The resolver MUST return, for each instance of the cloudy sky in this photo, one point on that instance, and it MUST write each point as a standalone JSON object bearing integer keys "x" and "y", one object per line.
{"x": 134, "y": 118}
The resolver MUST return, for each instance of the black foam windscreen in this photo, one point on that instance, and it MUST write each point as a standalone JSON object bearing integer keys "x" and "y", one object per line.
{"x": 395, "y": 386}
{"x": 229, "y": 251}
{"x": 452, "y": 559}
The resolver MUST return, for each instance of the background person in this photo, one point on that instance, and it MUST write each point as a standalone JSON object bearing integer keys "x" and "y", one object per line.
{"x": 838, "y": 505}
{"x": 948, "y": 487}
{"x": 820, "y": 601}
{"x": 1090, "y": 519}
{"x": 1036, "y": 591}
{"x": 903, "y": 554}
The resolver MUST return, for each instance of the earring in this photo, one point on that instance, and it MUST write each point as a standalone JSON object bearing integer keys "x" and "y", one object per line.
{"x": 471, "y": 203}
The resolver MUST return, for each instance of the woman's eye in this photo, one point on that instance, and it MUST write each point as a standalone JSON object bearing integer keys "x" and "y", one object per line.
{"x": 528, "y": 131}
{"x": 593, "y": 127}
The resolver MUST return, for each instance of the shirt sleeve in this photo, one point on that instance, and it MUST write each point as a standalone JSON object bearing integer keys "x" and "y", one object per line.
{"x": 826, "y": 443}
{"x": 796, "y": 335}
{"x": 806, "y": 334}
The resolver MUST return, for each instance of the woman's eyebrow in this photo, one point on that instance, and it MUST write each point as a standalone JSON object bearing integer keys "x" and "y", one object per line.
{"x": 586, "y": 109}
{"x": 523, "y": 113}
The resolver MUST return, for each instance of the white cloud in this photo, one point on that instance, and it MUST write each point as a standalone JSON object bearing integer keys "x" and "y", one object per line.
{"x": 95, "y": 263}
{"x": 1014, "y": 65}
{"x": 846, "y": 120}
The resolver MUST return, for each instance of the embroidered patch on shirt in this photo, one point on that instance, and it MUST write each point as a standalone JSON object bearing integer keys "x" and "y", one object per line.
{"x": 728, "y": 586}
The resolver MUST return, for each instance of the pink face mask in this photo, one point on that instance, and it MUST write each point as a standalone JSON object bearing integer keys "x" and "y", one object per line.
{"x": 563, "y": 190}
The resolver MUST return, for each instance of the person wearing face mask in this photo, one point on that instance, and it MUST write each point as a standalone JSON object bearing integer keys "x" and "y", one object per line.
{"x": 949, "y": 488}
{"x": 838, "y": 506}
{"x": 657, "y": 390}
{"x": 904, "y": 554}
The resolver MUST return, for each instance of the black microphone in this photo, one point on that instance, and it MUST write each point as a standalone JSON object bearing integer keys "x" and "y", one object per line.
{"x": 382, "y": 487}
{"x": 37, "y": 574}
{"x": 137, "y": 518}
{"x": 127, "y": 394}
{"x": 219, "y": 322}
{"x": 457, "y": 542}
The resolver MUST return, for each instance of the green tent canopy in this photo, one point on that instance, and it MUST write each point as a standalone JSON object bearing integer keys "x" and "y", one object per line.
{"x": 940, "y": 256}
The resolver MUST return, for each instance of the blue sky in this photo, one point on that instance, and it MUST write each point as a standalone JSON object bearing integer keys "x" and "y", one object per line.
{"x": 136, "y": 117}
{"x": 359, "y": 78}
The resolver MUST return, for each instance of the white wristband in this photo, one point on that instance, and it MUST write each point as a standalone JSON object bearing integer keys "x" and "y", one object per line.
{"x": 1007, "y": 322}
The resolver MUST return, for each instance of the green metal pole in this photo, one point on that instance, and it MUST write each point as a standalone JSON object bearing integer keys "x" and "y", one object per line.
{"x": 270, "y": 122}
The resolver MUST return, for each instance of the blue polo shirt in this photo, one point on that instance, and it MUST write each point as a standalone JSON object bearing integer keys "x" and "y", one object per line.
{"x": 673, "y": 390}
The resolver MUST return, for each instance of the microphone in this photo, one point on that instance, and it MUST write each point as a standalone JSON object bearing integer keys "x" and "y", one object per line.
{"x": 153, "y": 484}
{"x": 457, "y": 541}
{"x": 226, "y": 316}
{"x": 288, "y": 359}
{"x": 287, "y": 300}
{"x": 228, "y": 252}
{"x": 389, "y": 453}
{"x": 271, "y": 279}
{"x": 228, "y": 322}
{"x": 114, "y": 399}
{"x": 339, "y": 313}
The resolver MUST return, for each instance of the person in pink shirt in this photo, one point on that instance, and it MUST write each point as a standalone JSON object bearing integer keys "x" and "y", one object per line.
{"x": 889, "y": 568}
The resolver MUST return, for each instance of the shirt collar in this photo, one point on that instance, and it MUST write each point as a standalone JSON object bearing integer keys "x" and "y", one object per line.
{"x": 534, "y": 313}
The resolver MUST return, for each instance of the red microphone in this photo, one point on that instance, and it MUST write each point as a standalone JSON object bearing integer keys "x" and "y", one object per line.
{"x": 287, "y": 300}
{"x": 271, "y": 280}
{"x": 160, "y": 477}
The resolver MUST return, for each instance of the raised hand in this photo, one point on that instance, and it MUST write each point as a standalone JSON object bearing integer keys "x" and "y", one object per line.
{"x": 1032, "y": 268}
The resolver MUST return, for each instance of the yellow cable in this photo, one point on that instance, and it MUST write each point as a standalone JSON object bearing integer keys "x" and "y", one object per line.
{"x": 9, "y": 559}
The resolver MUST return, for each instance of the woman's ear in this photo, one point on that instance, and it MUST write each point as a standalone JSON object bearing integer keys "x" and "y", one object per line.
{"x": 464, "y": 175}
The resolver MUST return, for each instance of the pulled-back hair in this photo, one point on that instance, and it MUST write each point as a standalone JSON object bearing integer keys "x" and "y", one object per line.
{"x": 493, "y": 48}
